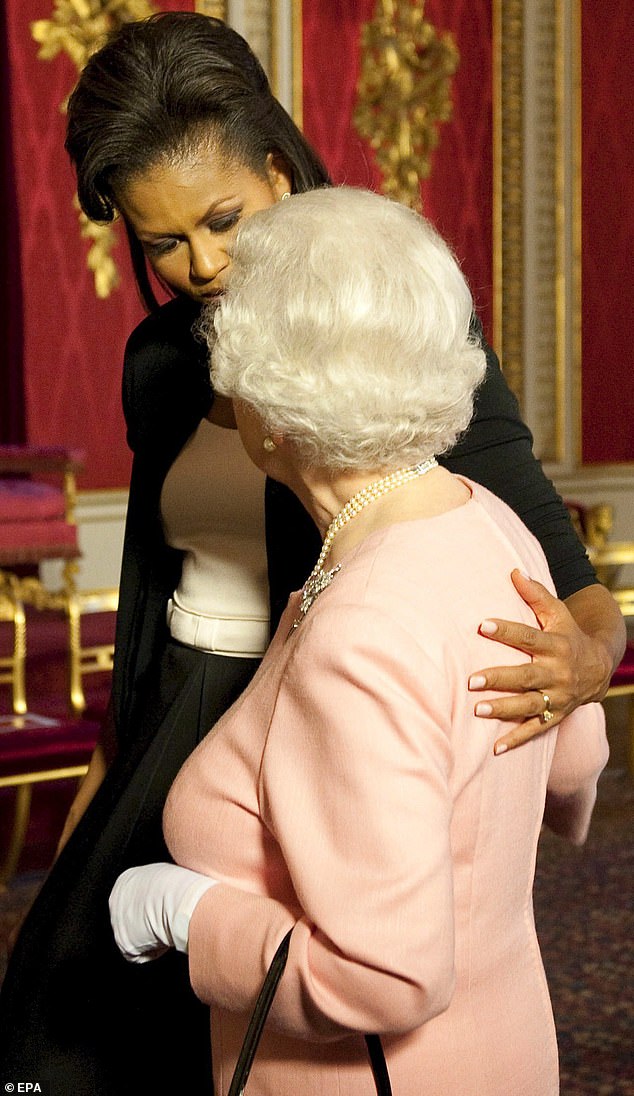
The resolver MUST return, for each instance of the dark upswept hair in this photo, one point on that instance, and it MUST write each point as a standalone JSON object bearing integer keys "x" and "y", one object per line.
{"x": 154, "y": 91}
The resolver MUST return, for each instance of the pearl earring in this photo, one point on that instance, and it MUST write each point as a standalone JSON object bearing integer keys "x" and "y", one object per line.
{"x": 269, "y": 445}
{"x": 285, "y": 195}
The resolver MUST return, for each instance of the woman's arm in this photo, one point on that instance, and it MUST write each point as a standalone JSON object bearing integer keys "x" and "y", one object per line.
{"x": 581, "y": 637}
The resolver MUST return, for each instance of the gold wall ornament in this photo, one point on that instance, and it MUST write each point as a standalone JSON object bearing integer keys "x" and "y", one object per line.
{"x": 78, "y": 28}
{"x": 404, "y": 93}
{"x": 216, "y": 8}
{"x": 99, "y": 258}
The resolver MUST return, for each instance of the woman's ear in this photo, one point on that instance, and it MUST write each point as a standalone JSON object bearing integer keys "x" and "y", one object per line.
{"x": 279, "y": 175}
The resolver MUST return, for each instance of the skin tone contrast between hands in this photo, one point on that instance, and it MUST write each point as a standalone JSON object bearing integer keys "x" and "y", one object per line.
{"x": 186, "y": 216}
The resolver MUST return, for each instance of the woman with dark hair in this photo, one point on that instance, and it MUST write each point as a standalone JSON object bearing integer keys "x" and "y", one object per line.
{"x": 173, "y": 127}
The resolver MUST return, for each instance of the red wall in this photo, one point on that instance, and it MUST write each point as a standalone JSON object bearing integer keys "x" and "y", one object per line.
{"x": 608, "y": 231}
{"x": 458, "y": 195}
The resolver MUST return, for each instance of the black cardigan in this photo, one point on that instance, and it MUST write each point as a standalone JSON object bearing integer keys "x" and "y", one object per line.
{"x": 166, "y": 392}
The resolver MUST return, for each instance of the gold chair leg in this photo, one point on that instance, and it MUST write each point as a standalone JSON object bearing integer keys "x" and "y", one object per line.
{"x": 73, "y": 612}
{"x": 19, "y": 659}
{"x": 13, "y": 667}
{"x": 630, "y": 745}
{"x": 23, "y": 795}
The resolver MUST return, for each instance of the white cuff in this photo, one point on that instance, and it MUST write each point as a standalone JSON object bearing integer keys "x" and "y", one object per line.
{"x": 186, "y": 907}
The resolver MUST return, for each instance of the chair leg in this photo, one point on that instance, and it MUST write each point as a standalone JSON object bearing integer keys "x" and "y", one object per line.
{"x": 12, "y": 668}
{"x": 19, "y": 659}
{"x": 630, "y": 757}
{"x": 77, "y": 698}
{"x": 73, "y": 615}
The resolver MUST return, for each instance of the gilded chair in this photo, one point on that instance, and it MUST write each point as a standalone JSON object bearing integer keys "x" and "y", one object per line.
{"x": 609, "y": 557}
{"x": 622, "y": 683}
{"x": 37, "y": 523}
{"x": 36, "y": 750}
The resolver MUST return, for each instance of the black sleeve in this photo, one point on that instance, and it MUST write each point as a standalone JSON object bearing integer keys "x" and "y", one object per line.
{"x": 166, "y": 383}
{"x": 166, "y": 392}
{"x": 497, "y": 452}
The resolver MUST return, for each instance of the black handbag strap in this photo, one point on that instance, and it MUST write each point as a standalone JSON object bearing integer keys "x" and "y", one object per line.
{"x": 258, "y": 1019}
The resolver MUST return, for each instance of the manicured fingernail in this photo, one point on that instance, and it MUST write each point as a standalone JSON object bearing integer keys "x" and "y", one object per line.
{"x": 500, "y": 748}
{"x": 488, "y": 627}
{"x": 483, "y": 708}
{"x": 477, "y": 681}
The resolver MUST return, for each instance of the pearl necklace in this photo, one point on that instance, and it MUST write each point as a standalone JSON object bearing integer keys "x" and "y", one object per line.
{"x": 319, "y": 579}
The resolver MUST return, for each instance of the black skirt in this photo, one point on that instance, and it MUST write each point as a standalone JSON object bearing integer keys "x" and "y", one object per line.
{"x": 74, "y": 1015}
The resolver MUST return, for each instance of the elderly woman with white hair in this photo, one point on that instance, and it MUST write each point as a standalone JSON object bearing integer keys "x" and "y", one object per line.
{"x": 351, "y": 795}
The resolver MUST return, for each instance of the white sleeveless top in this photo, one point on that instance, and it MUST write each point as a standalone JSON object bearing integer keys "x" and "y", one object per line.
{"x": 212, "y": 507}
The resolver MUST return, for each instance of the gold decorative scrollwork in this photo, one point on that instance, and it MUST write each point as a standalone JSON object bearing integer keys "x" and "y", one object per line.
{"x": 99, "y": 258}
{"x": 78, "y": 28}
{"x": 215, "y": 8}
{"x": 404, "y": 92}
{"x": 508, "y": 188}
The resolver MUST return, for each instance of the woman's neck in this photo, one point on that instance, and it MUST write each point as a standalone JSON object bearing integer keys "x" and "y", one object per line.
{"x": 221, "y": 412}
{"x": 425, "y": 496}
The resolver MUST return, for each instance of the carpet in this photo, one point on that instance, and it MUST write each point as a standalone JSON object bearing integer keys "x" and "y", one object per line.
{"x": 585, "y": 921}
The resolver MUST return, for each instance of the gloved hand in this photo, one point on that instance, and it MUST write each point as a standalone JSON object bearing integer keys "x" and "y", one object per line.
{"x": 151, "y": 907}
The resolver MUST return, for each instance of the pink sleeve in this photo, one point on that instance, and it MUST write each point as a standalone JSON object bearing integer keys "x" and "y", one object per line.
{"x": 354, "y": 788}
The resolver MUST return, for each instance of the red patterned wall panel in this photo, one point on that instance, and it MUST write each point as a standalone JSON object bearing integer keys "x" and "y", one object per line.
{"x": 607, "y": 231}
{"x": 73, "y": 342}
{"x": 458, "y": 194}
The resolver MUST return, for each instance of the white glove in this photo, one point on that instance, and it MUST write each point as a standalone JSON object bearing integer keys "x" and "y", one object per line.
{"x": 151, "y": 907}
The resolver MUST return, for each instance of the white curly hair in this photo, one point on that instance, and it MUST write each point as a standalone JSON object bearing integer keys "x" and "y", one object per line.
{"x": 346, "y": 327}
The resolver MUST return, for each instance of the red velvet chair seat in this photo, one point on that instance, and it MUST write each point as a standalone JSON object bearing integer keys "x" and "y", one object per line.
{"x": 32, "y": 541}
{"x": 33, "y": 523}
{"x": 37, "y": 523}
{"x": 24, "y": 500}
{"x": 34, "y": 749}
{"x": 47, "y": 458}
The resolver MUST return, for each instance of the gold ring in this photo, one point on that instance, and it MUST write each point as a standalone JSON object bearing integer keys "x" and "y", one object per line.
{"x": 547, "y": 713}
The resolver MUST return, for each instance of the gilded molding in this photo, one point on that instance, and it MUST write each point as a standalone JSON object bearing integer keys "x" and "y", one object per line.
{"x": 256, "y": 24}
{"x": 537, "y": 217}
{"x": 298, "y": 63}
{"x": 403, "y": 93}
{"x": 78, "y": 28}
{"x": 576, "y": 266}
{"x": 508, "y": 192}
{"x": 563, "y": 226}
{"x": 284, "y": 12}
{"x": 215, "y": 8}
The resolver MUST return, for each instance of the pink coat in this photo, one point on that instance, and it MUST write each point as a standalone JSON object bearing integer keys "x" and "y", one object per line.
{"x": 352, "y": 793}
